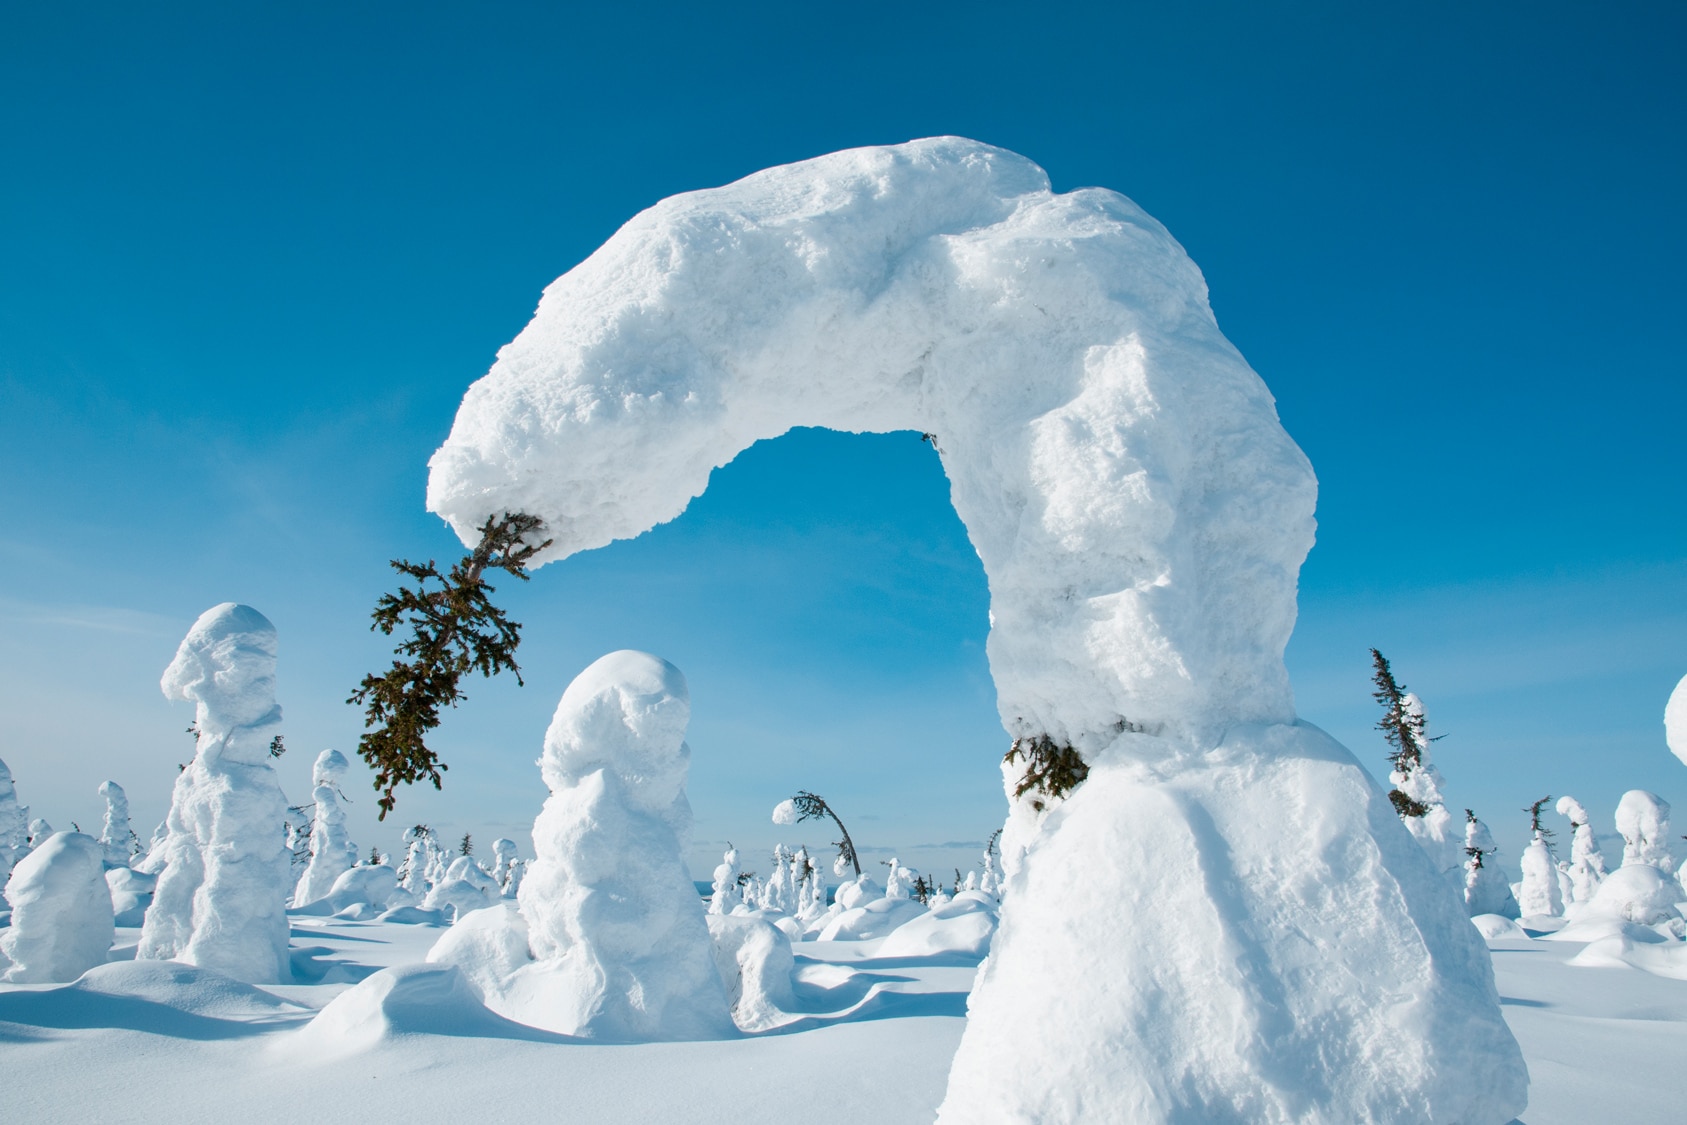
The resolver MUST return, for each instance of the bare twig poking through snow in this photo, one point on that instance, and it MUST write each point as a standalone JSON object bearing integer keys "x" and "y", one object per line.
{"x": 454, "y": 629}
{"x": 810, "y": 806}
{"x": 1051, "y": 770}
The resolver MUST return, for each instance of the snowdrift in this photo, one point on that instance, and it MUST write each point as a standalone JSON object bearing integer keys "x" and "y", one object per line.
{"x": 1254, "y": 935}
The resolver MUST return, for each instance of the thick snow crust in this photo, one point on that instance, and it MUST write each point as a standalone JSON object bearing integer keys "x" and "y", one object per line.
{"x": 61, "y": 911}
{"x": 221, "y": 899}
{"x": 1141, "y": 517}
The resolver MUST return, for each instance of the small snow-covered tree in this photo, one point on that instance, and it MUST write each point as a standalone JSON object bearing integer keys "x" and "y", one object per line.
{"x": 1416, "y": 793}
{"x": 1485, "y": 888}
{"x": 725, "y": 894}
{"x": 1539, "y": 893}
{"x": 990, "y": 882}
{"x": 332, "y": 852}
{"x": 413, "y": 872}
{"x": 1586, "y": 869}
{"x": 779, "y": 893}
{"x": 61, "y": 911}
{"x": 503, "y": 854}
{"x": 14, "y": 824}
{"x": 117, "y": 838}
{"x": 899, "y": 883}
{"x": 1643, "y": 820}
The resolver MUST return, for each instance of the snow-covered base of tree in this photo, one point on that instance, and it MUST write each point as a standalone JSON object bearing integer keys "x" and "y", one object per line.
{"x": 149, "y": 1041}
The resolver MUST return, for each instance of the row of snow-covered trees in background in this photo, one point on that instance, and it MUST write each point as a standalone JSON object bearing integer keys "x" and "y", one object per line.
{"x": 1463, "y": 849}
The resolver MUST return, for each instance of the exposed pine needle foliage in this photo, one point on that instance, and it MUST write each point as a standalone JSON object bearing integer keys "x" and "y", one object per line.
{"x": 1052, "y": 770}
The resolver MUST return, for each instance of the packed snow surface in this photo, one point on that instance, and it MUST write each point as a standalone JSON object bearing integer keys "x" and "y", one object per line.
{"x": 221, "y": 897}
{"x": 1141, "y": 517}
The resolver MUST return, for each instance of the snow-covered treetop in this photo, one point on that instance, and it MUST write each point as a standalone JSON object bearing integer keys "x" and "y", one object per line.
{"x": 226, "y": 664}
{"x": 626, "y": 713}
{"x": 330, "y": 768}
{"x": 1139, "y": 511}
{"x": 1572, "y": 809}
{"x": 785, "y": 812}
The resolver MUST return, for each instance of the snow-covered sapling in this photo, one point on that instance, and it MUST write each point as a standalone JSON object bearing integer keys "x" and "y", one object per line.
{"x": 503, "y": 854}
{"x": 1416, "y": 784}
{"x": 1485, "y": 888}
{"x": 116, "y": 837}
{"x": 811, "y": 806}
{"x": 61, "y": 911}
{"x": 724, "y": 894}
{"x": 1539, "y": 893}
{"x": 331, "y": 850}
{"x": 454, "y": 629}
{"x": 779, "y": 893}
{"x": 1587, "y": 863}
{"x": 14, "y": 824}
{"x": 221, "y": 901}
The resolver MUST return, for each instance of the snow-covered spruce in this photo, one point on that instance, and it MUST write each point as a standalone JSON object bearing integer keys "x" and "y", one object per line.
{"x": 724, "y": 894}
{"x": 1486, "y": 891}
{"x": 1434, "y": 828}
{"x": 61, "y": 911}
{"x": 1587, "y": 863}
{"x": 1539, "y": 894}
{"x": 332, "y": 852}
{"x": 116, "y": 837}
{"x": 221, "y": 898}
{"x": 1141, "y": 517}
{"x": 1643, "y": 822}
{"x": 620, "y": 949}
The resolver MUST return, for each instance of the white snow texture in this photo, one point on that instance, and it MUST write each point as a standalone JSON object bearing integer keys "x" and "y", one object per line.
{"x": 1254, "y": 935}
{"x": 1675, "y": 721}
{"x": 332, "y": 853}
{"x": 222, "y": 893}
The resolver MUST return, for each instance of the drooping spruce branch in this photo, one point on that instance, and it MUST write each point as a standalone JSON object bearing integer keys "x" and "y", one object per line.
{"x": 1403, "y": 727}
{"x": 454, "y": 629}
{"x": 1051, "y": 769}
{"x": 1535, "y": 824}
{"x": 811, "y": 806}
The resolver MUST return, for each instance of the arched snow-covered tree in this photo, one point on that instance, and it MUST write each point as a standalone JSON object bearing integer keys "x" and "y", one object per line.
{"x": 1586, "y": 868}
{"x": 1643, "y": 821}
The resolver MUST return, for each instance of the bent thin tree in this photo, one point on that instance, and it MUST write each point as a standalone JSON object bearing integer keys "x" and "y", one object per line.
{"x": 810, "y": 806}
{"x": 454, "y": 629}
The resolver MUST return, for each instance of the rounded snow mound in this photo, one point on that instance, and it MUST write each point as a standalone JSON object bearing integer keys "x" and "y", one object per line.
{"x": 1635, "y": 894}
{"x": 62, "y": 922}
{"x": 961, "y": 928}
{"x": 1497, "y": 927}
{"x": 401, "y": 1001}
{"x": 187, "y": 988}
{"x": 756, "y": 965}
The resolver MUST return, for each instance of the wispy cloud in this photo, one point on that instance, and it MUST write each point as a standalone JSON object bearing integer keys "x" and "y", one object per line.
{"x": 101, "y": 619}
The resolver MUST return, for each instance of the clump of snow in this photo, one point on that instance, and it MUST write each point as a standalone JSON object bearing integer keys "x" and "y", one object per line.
{"x": 221, "y": 896}
{"x": 464, "y": 887}
{"x": 403, "y": 1000}
{"x": 375, "y": 885}
{"x": 961, "y": 927}
{"x": 332, "y": 852}
{"x": 873, "y": 919}
{"x": 1675, "y": 721}
{"x": 1497, "y": 927}
{"x": 1643, "y": 821}
{"x": 116, "y": 837}
{"x": 785, "y": 812}
{"x": 1637, "y": 894}
{"x": 61, "y": 911}
{"x": 1141, "y": 517}
{"x": 621, "y": 950}
{"x": 131, "y": 894}
{"x": 489, "y": 945}
{"x": 755, "y": 962}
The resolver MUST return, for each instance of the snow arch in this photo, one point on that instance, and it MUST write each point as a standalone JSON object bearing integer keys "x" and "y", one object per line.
{"x": 1141, "y": 517}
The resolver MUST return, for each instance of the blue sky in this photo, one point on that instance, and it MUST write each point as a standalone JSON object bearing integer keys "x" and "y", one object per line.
{"x": 251, "y": 256}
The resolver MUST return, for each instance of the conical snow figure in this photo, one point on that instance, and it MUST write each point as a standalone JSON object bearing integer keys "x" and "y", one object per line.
{"x": 14, "y": 824}
{"x": 61, "y": 912}
{"x": 221, "y": 901}
{"x": 724, "y": 890}
{"x": 117, "y": 838}
{"x": 621, "y": 950}
{"x": 331, "y": 851}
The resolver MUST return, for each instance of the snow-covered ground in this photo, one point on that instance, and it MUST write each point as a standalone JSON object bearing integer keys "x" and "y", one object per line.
{"x": 141, "y": 1042}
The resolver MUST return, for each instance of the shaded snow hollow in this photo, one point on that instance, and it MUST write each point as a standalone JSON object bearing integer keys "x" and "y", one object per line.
{"x": 1227, "y": 921}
